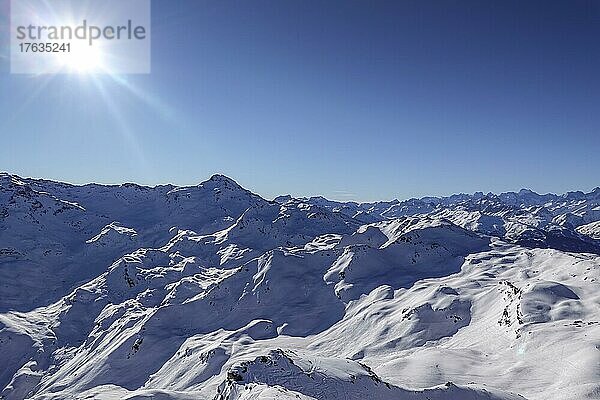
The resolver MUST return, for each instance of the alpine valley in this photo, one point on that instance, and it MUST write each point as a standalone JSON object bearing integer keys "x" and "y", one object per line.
{"x": 213, "y": 292}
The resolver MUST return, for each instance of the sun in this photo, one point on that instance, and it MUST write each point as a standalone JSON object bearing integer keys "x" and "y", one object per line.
{"x": 83, "y": 59}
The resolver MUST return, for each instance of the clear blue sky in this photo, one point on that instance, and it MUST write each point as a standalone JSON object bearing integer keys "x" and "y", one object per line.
{"x": 357, "y": 100}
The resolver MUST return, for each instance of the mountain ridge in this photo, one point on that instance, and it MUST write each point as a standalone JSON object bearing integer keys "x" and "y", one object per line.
{"x": 222, "y": 177}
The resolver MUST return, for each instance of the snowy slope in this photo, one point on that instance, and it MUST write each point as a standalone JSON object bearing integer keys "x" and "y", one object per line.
{"x": 211, "y": 292}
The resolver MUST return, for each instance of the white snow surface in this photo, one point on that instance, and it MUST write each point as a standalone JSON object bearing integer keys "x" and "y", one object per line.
{"x": 212, "y": 292}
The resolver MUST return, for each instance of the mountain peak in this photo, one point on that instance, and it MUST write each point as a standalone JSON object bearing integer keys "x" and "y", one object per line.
{"x": 526, "y": 191}
{"x": 219, "y": 178}
{"x": 283, "y": 199}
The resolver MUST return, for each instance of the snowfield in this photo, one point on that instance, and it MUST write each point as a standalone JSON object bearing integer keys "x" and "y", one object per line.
{"x": 212, "y": 292}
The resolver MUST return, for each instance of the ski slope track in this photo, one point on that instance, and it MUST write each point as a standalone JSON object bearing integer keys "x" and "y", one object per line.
{"x": 213, "y": 292}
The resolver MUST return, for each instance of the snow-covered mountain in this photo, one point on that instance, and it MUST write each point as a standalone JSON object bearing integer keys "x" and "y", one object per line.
{"x": 212, "y": 292}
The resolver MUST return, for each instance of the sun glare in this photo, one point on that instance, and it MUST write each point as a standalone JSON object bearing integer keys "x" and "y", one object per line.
{"x": 84, "y": 59}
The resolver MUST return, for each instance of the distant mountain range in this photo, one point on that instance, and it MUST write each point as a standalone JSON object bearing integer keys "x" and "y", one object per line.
{"x": 212, "y": 292}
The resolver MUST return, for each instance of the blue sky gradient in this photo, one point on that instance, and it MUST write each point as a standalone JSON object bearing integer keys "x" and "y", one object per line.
{"x": 353, "y": 100}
